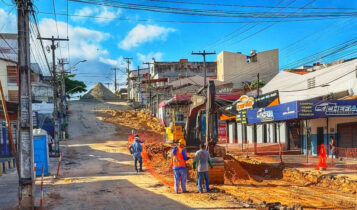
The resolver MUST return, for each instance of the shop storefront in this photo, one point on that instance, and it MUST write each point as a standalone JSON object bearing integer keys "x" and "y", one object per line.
{"x": 300, "y": 123}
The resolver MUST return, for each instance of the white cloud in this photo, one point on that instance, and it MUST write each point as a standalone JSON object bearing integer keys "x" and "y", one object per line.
{"x": 107, "y": 14}
{"x": 112, "y": 62}
{"x": 8, "y": 22}
{"x": 120, "y": 62}
{"x": 84, "y": 43}
{"x": 141, "y": 34}
{"x": 149, "y": 56}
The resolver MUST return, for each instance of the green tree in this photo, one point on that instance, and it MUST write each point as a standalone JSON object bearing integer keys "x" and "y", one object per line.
{"x": 73, "y": 86}
{"x": 254, "y": 84}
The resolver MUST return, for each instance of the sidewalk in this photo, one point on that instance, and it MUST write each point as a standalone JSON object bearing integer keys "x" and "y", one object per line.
{"x": 9, "y": 185}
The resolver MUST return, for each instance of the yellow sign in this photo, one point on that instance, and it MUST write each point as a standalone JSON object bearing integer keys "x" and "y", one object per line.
{"x": 245, "y": 102}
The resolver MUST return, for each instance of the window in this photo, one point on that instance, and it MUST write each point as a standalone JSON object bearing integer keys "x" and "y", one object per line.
{"x": 13, "y": 95}
{"x": 11, "y": 74}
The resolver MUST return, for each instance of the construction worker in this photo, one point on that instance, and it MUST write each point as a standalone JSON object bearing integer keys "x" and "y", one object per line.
{"x": 135, "y": 149}
{"x": 137, "y": 138}
{"x": 179, "y": 158}
{"x": 202, "y": 160}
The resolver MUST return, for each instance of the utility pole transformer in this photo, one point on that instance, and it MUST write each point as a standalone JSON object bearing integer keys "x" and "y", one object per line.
{"x": 204, "y": 53}
{"x": 25, "y": 143}
{"x": 55, "y": 92}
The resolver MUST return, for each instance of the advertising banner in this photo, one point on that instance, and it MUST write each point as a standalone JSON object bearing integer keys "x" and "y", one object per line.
{"x": 280, "y": 112}
{"x": 327, "y": 108}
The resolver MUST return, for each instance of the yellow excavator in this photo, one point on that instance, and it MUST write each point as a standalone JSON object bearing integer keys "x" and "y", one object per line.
{"x": 174, "y": 132}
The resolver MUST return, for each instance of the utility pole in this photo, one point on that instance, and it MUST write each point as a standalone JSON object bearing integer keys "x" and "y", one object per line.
{"x": 204, "y": 53}
{"x": 24, "y": 138}
{"x": 139, "y": 85}
{"x": 115, "y": 79}
{"x": 62, "y": 97}
{"x": 148, "y": 63}
{"x": 258, "y": 86}
{"x": 127, "y": 72}
{"x": 55, "y": 91}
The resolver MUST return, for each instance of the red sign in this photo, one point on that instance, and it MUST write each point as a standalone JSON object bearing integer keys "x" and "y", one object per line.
{"x": 222, "y": 132}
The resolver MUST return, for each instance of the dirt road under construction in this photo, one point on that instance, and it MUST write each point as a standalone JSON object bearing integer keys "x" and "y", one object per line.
{"x": 247, "y": 179}
{"x": 97, "y": 172}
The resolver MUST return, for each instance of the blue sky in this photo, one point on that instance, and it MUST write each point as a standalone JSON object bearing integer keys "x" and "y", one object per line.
{"x": 105, "y": 41}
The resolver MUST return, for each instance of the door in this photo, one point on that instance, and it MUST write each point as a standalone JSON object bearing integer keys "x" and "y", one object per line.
{"x": 347, "y": 135}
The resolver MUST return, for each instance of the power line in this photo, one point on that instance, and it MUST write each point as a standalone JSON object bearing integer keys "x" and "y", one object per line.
{"x": 265, "y": 28}
{"x": 54, "y": 12}
{"x": 231, "y": 35}
{"x": 69, "y": 56}
{"x": 248, "y": 6}
{"x": 216, "y": 13}
{"x": 41, "y": 43}
{"x": 184, "y": 21}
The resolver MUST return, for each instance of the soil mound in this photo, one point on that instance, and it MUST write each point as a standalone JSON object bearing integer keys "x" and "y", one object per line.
{"x": 100, "y": 93}
{"x": 138, "y": 120}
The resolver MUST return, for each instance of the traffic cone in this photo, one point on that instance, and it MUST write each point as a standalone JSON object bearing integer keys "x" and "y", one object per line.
{"x": 322, "y": 164}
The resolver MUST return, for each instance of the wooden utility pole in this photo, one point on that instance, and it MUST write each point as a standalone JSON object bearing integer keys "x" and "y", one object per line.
{"x": 55, "y": 92}
{"x": 127, "y": 72}
{"x": 24, "y": 138}
{"x": 204, "y": 53}
{"x": 115, "y": 79}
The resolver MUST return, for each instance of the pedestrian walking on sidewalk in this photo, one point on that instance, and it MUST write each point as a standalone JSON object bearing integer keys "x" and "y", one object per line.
{"x": 179, "y": 158}
{"x": 135, "y": 149}
{"x": 202, "y": 160}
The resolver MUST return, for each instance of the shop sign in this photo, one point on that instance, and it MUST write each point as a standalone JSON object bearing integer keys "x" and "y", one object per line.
{"x": 241, "y": 117}
{"x": 244, "y": 102}
{"x": 327, "y": 108}
{"x": 279, "y": 112}
{"x": 265, "y": 115}
{"x": 266, "y": 100}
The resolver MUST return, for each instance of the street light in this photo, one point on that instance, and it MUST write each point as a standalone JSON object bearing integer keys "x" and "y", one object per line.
{"x": 82, "y": 61}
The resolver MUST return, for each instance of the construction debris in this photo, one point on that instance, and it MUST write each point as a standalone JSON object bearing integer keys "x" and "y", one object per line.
{"x": 138, "y": 120}
{"x": 260, "y": 185}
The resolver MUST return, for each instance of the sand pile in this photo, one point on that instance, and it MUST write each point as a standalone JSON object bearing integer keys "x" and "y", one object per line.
{"x": 138, "y": 120}
{"x": 100, "y": 93}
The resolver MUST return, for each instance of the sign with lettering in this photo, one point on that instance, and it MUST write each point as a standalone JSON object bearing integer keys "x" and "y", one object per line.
{"x": 244, "y": 102}
{"x": 267, "y": 99}
{"x": 327, "y": 108}
{"x": 279, "y": 112}
{"x": 241, "y": 117}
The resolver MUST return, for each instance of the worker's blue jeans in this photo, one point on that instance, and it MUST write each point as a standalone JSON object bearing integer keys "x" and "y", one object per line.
{"x": 205, "y": 174}
{"x": 180, "y": 174}
{"x": 136, "y": 159}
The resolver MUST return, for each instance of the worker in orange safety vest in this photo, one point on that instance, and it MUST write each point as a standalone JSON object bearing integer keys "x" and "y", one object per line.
{"x": 179, "y": 158}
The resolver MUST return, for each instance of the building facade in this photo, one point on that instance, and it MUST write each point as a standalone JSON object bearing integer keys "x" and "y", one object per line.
{"x": 239, "y": 68}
